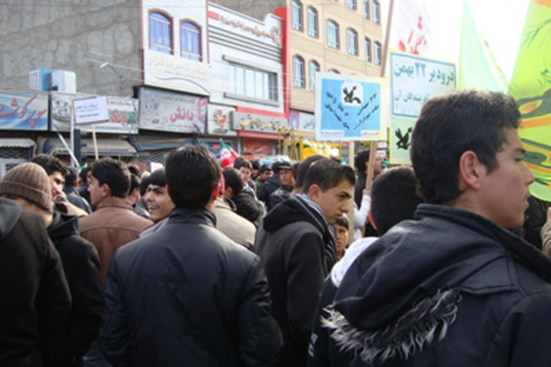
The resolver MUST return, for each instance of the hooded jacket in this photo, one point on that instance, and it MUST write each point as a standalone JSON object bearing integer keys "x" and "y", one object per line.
{"x": 81, "y": 266}
{"x": 188, "y": 295}
{"x": 35, "y": 300}
{"x": 297, "y": 251}
{"x": 451, "y": 289}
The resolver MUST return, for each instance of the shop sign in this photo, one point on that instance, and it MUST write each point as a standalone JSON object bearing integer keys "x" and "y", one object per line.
{"x": 23, "y": 111}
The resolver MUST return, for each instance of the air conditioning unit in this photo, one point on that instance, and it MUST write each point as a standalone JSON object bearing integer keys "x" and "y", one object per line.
{"x": 62, "y": 81}
{"x": 38, "y": 79}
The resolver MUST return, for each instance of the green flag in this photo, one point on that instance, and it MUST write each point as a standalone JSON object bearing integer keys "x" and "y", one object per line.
{"x": 531, "y": 87}
{"x": 477, "y": 66}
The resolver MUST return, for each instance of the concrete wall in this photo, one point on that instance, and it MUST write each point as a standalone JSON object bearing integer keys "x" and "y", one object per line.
{"x": 72, "y": 35}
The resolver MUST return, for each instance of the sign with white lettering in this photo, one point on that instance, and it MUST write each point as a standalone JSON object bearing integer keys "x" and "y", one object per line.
{"x": 350, "y": 107}
{"x": 416, "y": 80}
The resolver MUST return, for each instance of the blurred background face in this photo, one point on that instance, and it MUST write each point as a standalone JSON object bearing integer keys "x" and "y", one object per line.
{"x": 265, "y": 176}
{"x": 286, "y": 177}
{"x": 159, "y": 203}
{"x": 342, "y": 240}
{"x": 246, "y": 173}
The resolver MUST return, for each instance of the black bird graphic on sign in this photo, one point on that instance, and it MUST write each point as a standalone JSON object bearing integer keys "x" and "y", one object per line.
{"x": 349, "y": 96}
{"x": 403, "y": 140}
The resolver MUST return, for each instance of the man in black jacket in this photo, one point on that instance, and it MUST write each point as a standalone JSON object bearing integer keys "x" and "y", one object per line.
{"x": 456, "y": 287}
{"x": 25, "y": 183}
{"x": 298, "y": 251}
{"x": 187, "y": 294}
{"x": 35, "y": 299}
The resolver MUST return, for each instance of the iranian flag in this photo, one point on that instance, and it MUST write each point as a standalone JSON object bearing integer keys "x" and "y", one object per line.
{"x": 227, "y": 155}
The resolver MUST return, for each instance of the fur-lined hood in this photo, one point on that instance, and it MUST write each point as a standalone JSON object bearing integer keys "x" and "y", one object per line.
{"x": 404, "y": 291}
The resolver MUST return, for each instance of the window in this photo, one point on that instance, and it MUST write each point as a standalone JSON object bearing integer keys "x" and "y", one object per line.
{"x": 298, "y": 71}
{"x": 334, "y": 71}
{"x": 377, "y": 53}
{"x": 312, "y": 22}
{"x": 252, "y": 83}
{"x": 376, "y": 12}
{"x": 367, "y": 50}
{"x": 351, "y": 4}
{"x": 160, "y": 33}
{"x": 296, "y": 15}
{"x": 314, "y": 68}
{"x": 191, "y": 41}
{"x": 366, "y": 9}
{"x": 332, "y": 34}
{"x": 352, "y": 41}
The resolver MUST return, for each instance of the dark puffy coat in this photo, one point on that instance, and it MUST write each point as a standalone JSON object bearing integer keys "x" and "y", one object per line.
{"x": 269, "y": 186}
{"x": 248, "y": 207}
{"x": 188, "y": 295}
{"x": 34, "y": 296}
{"x": 451, "y": 289}
{"x": 297, "y": 251}
{"x": 81, "y": 266}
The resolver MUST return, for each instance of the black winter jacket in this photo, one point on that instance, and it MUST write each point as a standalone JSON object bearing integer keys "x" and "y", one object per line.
{"x": 270, "y": 186}
{"x": 188, "y": 295}
{"x": 81, "y": 266}
{"x": 34, "y": 296}
{"x": 297, "y": 251}
{"x": 451, "y": 289}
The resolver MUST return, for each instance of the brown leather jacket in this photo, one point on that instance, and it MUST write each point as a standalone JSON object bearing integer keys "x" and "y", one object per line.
{"x": 111, "y": 226}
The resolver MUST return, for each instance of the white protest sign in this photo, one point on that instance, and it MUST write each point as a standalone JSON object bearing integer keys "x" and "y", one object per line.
{"x": 91, "y": 110}
{"x": 416, "y": 80}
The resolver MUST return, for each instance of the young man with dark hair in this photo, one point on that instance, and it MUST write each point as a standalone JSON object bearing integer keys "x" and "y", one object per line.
{"x": 28, "y": 184}
{"x": 57, "y": 171}
{"x": 134, "y": 196}
{"x": 187, "y": 293}
{"x": 264, "y": 175}
{"x": 298, "y": 251}
{"x": 283, "y": 191}
{"x": 71, "y": 192}
{"x": 158, "y": 201}
{"x": 246, "y": 168}
{"x": 456, "y": 287}
{"x": 245, "y": 205}
{"x": 396, "y": 195}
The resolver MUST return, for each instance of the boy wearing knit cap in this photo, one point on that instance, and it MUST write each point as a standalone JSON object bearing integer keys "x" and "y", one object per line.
{"x": 29, "y": 185}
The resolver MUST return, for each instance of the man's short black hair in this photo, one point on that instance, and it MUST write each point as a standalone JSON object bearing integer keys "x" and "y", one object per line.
{"x": 134, "y": 170}
{"x": 303, "y": 168}
{"x": 233, "y": 179}
{"x": 84, "y": 175}
{"x": 342, "y": 221}
{"x": 51, "y": 164}
{"x": 245, "y": 163}
{"x": 362, "y": 157}
{"x": 158, "y": 177}
{"x": 395, "y": 196}
{"x": 192, "y": 174}
{"x": 326, "y": 173}
{"x": 144, "y": 184}
{"x": 265, "y": 168}
{"x": 114, "y": 173}
{"x": 134, "y": 182}
{"x": 449, "y": 126}
{"x": 71, "y": 177}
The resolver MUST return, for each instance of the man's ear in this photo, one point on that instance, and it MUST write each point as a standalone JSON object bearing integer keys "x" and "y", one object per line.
{"x": 471, "y": 171}
{"x": 105, "y": 191}
{"x": 314, "y": 192}
{"x": 228, "y": 193}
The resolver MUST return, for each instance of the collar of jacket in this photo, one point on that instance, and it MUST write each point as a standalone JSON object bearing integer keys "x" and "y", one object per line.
{"x": 192, "y": 216}
{"x": 115, "y": 202}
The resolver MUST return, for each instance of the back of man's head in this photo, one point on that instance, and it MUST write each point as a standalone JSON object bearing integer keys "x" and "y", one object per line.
{"x": 84, "y": 175}
{"x": 303, "y": 168}
{"x": 144, "y": 184}
{"x": 327, "y": 173}
{"x": 233, "y": 180}
{"x": 449, "y": 126}
{"x": 395, "y": 197}
{"x": 192, "y": 176}
{"x": 51, "y": 164}
{"x": 113, "y": 173}
{"x": 71, "y": 177}
{"x": 134, "y": 182}
{"x": 362, "y": 157}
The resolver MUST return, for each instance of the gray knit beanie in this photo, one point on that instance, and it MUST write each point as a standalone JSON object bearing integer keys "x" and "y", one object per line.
{"x": 28, "y": 181}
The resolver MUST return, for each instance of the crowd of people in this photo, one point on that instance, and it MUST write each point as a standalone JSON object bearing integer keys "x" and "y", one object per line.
{"x": 254, "y": 265}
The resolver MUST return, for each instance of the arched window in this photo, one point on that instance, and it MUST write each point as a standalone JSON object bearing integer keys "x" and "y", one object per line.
{"x": 332, "y": 34}
{"x": 377, "y": 49}
{"x": 334, "y": 71}
{"x": 296, "y": 15}
{"x": 160, "y": 33}
{"x": 314, "y": 68}
{"x": 366, "y": 9}
{"x": 352, "y": 41}
{"x": 367, "y": 49}
{"x": 350, "y": 4}
{"x": 376, "y": 9}
{"x": 191, "y": 41}
{"x": 298, "y": 71}
{"x": 312, "y": 22}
